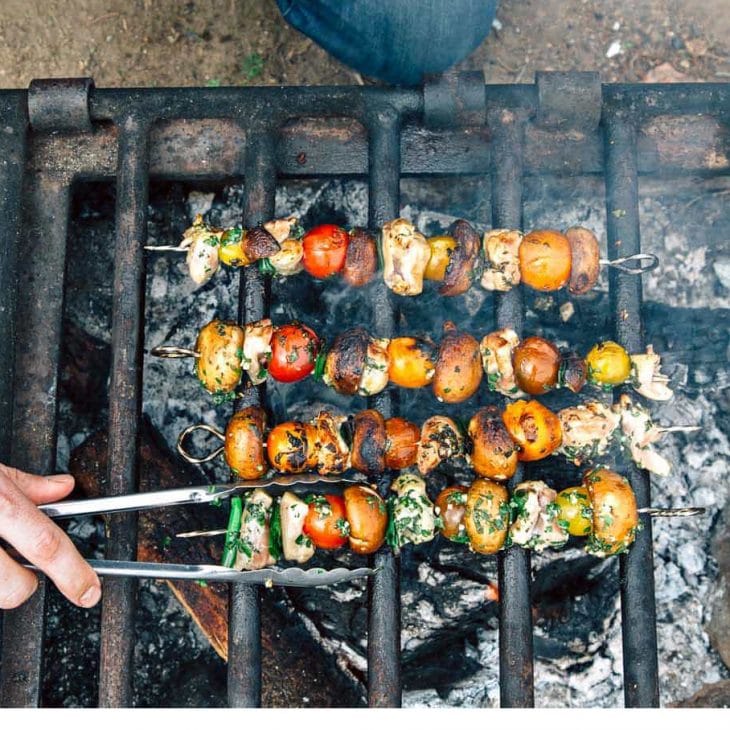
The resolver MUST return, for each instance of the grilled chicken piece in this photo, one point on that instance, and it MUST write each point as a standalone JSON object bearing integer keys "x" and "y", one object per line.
{"x": 253, "y": 546}
{"x": 405, "y": 256}
{"x": 257, "y": 349}
{"x": 585, "y": 265}
{"x": 282, "y": 228}
{"x": 587, "y": 431}
{"x": 496, "y": 350}
{"x": 463, "y": 259}
{"x": 501, "y": 253}
{"x": 288, "y": 260}
{"x": 369, "y": 443}
{"x": 536, "y": 525}
{"x": 333, "y": 454}
{"x": 375, "y": 370}
{"x": 647, "y": 377}
{"x": 345, "y": 362}
{"x": 440, "y": 440}
{"x": 361, "y": 259}
{"x": 296, "y": 546}
{"x": 414, "y": 520}
{"x": 244, "y": 443}
{"x": 494, "y": 453}
{"x": 639, "y": 433}
{"x": 202, "y": 243}
{"x": 218, "y": 365}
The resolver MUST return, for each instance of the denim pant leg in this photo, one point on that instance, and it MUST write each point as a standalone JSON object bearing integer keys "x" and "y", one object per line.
{"x": 397, "y": 41}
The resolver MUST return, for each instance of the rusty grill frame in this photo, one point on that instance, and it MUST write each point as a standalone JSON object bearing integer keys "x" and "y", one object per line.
{"x": 61, "y": 131}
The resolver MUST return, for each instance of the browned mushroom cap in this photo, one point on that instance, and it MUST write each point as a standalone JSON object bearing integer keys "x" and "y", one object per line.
{"x": 361, "y": 259}
{"x": 494, "y": 453}
{"x": 463, "y": 259}
{"x": 458, "y": 367}
{"x": 368, "y": 443}
{"x": 258, "y": 243}
{"x": 573, "y": 372}
{"x": 346, "y": 360}
{"x": 244, "y": 444}
{"x": 615, "y": 517}
{"x": 585, "y": 254}
{"x": 219, "y": 346}
{"x": 402, "y": 443}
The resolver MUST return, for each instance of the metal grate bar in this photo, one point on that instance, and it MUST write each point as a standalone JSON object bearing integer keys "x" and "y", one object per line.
{"x": 516, "y": 681}
{"x": 384, "y": 672}
{"x": 244, "y": 625}
{"x": 40, "y": 309}
{"x": 638, "y": 608}
{"x": 117, "y": 621}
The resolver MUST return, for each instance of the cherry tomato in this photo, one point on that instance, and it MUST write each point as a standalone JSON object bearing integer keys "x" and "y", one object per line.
{"x": 326, "y": 522}
{"x": 325, "y": 248}
{"x": 294, "y": 350}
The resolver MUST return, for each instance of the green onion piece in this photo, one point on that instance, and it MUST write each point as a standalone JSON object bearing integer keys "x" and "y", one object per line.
{"x": 275, "y": 540}
{"x": 266, "y": 267}
{"x": 230, "y": 548}
{"x": 319, "y": 363}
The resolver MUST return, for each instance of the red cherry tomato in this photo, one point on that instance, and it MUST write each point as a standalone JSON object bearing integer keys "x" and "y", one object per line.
{"x": 325, "y": 248}
{"x": 294, "y": 350}
{"x": 326, "y": 522}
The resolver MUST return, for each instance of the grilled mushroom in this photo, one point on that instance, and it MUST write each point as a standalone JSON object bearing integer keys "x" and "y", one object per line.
{"x": 462, "y": 261}
{"x": 368, "y": 443}
{"x": 258, "y": 243}
{"x": 219, "y": 346}
{"x": 501, "y": 254}
{"x": 367, "y": 516}
{"x": 440, "y": 440}
{"x": 573, "y": 372}
{"x": 487, "y": 516}
{"x": 253, "y": 541}
{"x": 401, "y": 446}
{"x": 545, "y": 260}
{"x": 405, "y": 257}
{"x": 458, "y": 366}
{"x": 346, "y": 360}
{"x": 361, "y": 260}
{"x": 292, "y": 447}
{"x": 494, "y": 454}
{"x": 536, "y": 363}
{"x": 537, "y": 525}
{"x": 585, "y": 260}
{"x": 496, "y": 350}
{"x": 257, "y": 349}
{"x": 450, "y": 507}
{"x": 615, "y": 517}
{"x": 333, "y": 454}
{"x": 244, "y": 443}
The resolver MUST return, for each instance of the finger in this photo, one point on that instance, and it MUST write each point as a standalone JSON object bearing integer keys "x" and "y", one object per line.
{"x": 45, "y": 545}
{"x": 39, "y": 489}
{"x": 17, "y": 583}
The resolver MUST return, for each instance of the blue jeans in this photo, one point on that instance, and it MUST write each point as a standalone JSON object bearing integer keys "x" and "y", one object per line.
{"x": 397, "y": 41}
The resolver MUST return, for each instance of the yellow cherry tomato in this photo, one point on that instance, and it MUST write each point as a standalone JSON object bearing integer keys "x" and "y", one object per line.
{"x": 575, "y": 511}
{"x": 608, "y": 364}
{"x": 441, "y": 248}
{"x": 231, "y": 248}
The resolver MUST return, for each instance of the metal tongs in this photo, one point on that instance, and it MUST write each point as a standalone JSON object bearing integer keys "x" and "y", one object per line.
{"x": 296, "y": 577}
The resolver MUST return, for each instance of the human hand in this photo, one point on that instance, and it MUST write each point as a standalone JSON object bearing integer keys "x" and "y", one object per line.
{"x": 40, "y": 541}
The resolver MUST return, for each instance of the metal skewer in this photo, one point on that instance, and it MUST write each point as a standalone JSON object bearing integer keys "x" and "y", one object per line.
{"x": 672, "y": 512}
{"x": 176, "y": 249}
{"x": 678, "y": 429}
{"x": 171, "y": 351}
{"x": 644, "y": 262}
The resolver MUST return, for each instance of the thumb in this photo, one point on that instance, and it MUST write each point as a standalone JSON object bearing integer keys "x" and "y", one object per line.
{"x": 40, "y": 489}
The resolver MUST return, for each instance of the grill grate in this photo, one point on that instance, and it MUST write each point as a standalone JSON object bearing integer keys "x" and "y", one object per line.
{"x": 451, "y": 126}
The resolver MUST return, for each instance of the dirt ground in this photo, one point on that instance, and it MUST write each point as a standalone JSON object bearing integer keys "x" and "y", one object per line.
{"x": 239, "y": 42}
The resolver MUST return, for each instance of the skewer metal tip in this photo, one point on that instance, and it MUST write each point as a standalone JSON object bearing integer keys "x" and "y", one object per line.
{"x": 673, "y": 512}
{"x": 639, "y": 263}
{"x": 170, "y": 351}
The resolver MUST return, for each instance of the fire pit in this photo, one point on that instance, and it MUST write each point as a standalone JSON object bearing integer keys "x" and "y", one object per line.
{"x": 503, "y": 136}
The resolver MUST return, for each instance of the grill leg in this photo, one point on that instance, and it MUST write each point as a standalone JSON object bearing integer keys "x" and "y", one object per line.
{"x": 119, "y": 595}
{"x": 638, "y": 607}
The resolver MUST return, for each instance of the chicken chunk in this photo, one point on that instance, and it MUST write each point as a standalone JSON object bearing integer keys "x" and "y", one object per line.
{"x": 501, "y": 253}
{"x": 257, "y": 349}
{"x": 405, "y": 256}
{"x": 640, "y": 433}
{"x": 333, "y": 454}
{"x": 587, "y": 431}
{"x": 496, "y": 350}
{"x": 440, "y": 440}
{"x": 295, "y": 544}
{"x": 647, "y": 378}
{"x": 253, "y": 544}
{"x": 414, "y": 520}
{"x": 536, "y": 525}
{"x": 375, "y": 369}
